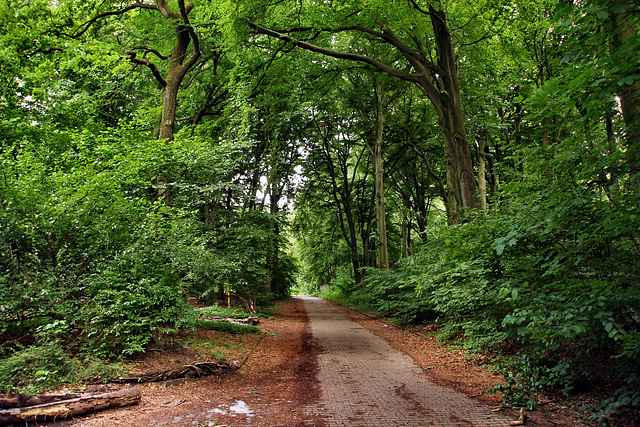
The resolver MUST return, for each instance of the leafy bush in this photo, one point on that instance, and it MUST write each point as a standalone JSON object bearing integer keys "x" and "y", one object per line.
{"x": 548, "y": 282}
{"x": 42, "y": 366}
{"x": 459, "y": 285}
{"x": 565, "y": 339}
{"x": 356, "y": 299}
{"x": 395, "y": 297}
{"x": 135, "y": 300}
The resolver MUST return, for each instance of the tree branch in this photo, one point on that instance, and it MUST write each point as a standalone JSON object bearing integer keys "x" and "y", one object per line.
{"x": 84, "y": 27}
{"x": 169, "y": 13}
{"x": 417, "y": 7}
{"x": 184, "y": 12}
{"x": 161, "y": 5}
{"x": 489, "y": 33}
{"x": 196, "y": 48}
{"x": 148, "y": 49}
{"x": 422, "y": 154}
{"x": 381, "y": 66}
{"x": 418, "y": 61}
{"x": 431, "y": 12}
{"x": 132, "y": 56}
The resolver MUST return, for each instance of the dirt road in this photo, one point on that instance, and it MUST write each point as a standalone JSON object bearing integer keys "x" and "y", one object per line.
{"x": 315, "y": 366}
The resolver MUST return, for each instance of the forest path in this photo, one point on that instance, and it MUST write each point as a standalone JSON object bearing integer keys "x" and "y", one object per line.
{"x": 319, "y": 364}
{"x": 366, "y": 382}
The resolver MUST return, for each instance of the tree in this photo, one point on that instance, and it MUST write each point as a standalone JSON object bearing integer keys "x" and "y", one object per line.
{"x": 180, "y": 62}
{"x": 437, "y": 79}
{"x": 373, "y": 113}
{"x": 414, "y": 165}
{"x": 623, "y": 49}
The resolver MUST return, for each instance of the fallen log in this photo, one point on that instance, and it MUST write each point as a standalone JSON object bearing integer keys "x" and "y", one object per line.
{"x": 249, "y": 320}
{"x": 194, "y": 370}
{"x": 68, "y": 408}
{"x": 12, "y": 400}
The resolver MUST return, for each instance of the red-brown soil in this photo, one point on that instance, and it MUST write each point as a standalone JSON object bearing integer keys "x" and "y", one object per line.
{"x": 275, "y": 383}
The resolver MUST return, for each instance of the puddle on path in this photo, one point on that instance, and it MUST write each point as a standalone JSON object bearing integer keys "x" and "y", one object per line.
{"x": 238, "y": 408}
{"x": 241, "y": 408}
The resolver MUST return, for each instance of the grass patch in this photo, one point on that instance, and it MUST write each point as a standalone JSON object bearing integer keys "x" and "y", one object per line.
{"x": 232, "y": 313}
{"x": 216, "y": 349}
{"x": 227, "y": 327}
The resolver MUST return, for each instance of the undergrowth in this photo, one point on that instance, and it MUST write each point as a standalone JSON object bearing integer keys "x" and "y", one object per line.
{"x": 46, "y": 360}
{"x": 36, "y": 368}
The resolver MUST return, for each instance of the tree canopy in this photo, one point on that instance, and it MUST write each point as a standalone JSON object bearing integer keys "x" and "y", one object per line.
{"x": 471, "y": 164}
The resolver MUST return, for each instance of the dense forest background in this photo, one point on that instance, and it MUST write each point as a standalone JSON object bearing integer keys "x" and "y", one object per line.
{"x": 475, "y": 164}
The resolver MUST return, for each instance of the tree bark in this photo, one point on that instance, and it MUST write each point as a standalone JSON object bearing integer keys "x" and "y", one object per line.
{"x": 460, "y": 176}
{"x": 178, "y": 69}
{"x": 365, "y": 233}
{"x": 406, "y": 233}
{"x": 482, "y": 171}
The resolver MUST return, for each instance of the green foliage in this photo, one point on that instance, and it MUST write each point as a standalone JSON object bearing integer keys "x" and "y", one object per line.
{"x": 126, "y": 315}
{"x": 105, "y": 232}
{"x": 453, "y": 281}
{"x": 356, "y": 299}
{"x": 562, "y": 335}
{"x": 393, "y": 296}
{"x": 551, "y": 273}
{"x": 344, "y": 291}
{"x": 75, "y": 223}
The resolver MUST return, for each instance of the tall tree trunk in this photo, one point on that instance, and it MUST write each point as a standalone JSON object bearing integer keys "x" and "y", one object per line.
{"x": 352, "y": 240}
{"x": 461, "y": 182}
{"x": 623, "y": 29}
{"x": 178, "y": 69}
{"x": 365, "y": 233}
{"x": 169, "y": 107}
{"x": 179, "y": 65}
{"x": 378, "y": 169}
{"x": 342, "y": 199}
{"x": 274, "y": 231}
{"x": 406, "y": 230}
{"x": 482, "y": 170}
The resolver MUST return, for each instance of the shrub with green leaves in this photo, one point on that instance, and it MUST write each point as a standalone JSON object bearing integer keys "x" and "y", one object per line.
{"x": 394, "y": 296}
{"x": 135, "y": 300}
